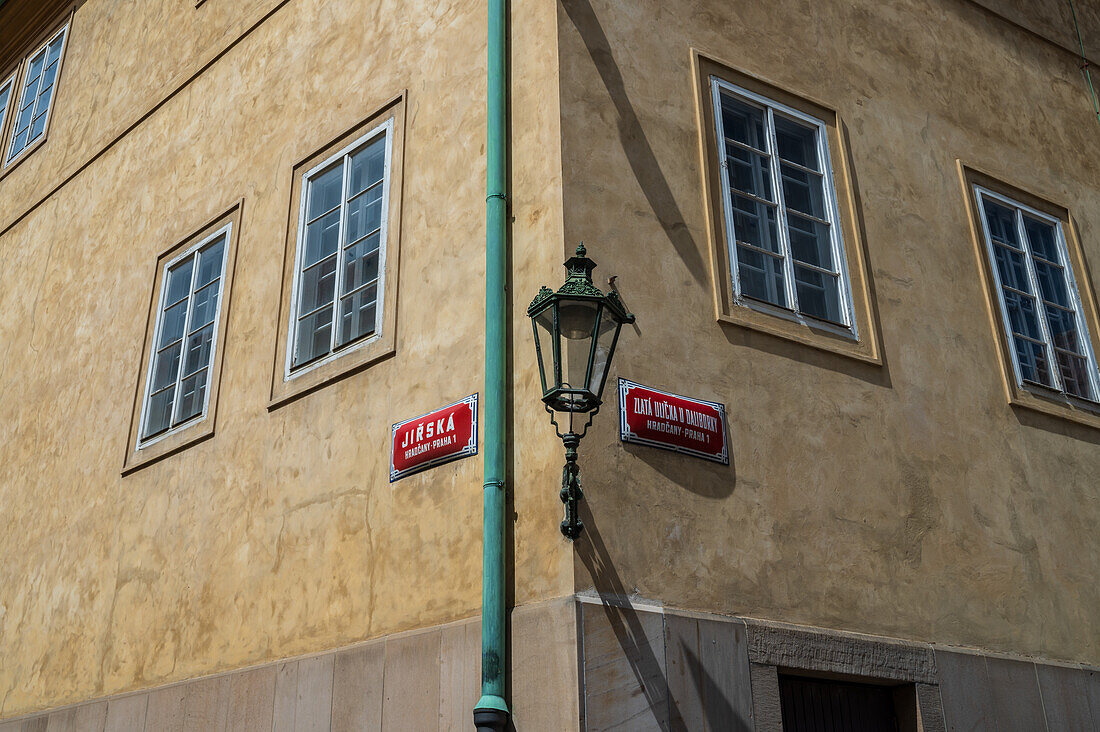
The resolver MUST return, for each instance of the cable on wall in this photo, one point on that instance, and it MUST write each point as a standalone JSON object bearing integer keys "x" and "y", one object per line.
{"x": 1085, "y": 62}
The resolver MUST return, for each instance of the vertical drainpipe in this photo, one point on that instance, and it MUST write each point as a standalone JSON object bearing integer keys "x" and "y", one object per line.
{"x": 491, "y": 712}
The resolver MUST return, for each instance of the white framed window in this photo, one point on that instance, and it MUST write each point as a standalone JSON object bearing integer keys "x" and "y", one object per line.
{"x": 6, "y": 87}
{"x": 339, "y": 271}
{"x": 35, "y": 96}
{"x": 1040, "y": 304}
{"x": 184, "y": 338}
{"x": 786, "y": 250}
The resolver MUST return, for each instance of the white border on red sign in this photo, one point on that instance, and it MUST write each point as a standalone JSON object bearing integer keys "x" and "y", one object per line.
{"x": 625, "y": 435}
{"x": 467, "y": 451}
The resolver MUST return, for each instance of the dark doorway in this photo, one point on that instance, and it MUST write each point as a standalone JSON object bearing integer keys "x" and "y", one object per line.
{"x": 818, "y": 705}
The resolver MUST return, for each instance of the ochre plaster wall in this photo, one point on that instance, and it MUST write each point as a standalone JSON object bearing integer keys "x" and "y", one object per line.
{"x": 280, "y": 535}
{"x": 908, "y": 499}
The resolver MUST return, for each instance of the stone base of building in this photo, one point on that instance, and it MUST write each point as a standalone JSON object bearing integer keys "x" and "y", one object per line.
{"x": 599, "y": 663}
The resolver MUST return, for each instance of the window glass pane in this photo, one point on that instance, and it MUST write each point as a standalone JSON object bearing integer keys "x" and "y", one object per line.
{"x": 325, "y": 190}
{"x": 171, "y": 328}
{"x": 318, "y": 285}
{"x": 797, "y": 143}
{"x": 34, "y": 72}
{"x": 1021, "y": 315}
{"x": 38, "y": 126}
{"x": 192, "y": 396}
{"x": 1041, "y": 237}
{"x": 749, "y": 172}
{"x": 1033, "y": 361}
{"x": 159, "y": 416}
{"x": 761, "y": 276}
{"x": 755, "y": 223}
{"x": 357, "y": 314}
{"x": 19, "y": 142}
{"x": 204, "y": 306}
{"x": 1063, "y": 329}
{"x": 367, "y": 166}
{"x": 818, "y": 294}
{"x": 360, "y": 264}
{"x": 179, "y": 281}
{"x": 364, "y": 215}
{"x": 1052, "y": 283}
{"x": 1013, "y": 268}
{"x": 1002, "y": 224}
{"x": 322, "y": 237}
{"x": 803, "y": 191}
{"x": 48, "y": 78}
{"x": 210, "y": 262}
{"x": 314, "y": 336}
{"x": 743, "y": 123}
{"x": 166, "y": 366}
{"x": 198, "y": 351}
{"x": 810, "y": 242}
{"x": 23, "y": 123}
{"x": 1075, "y": 374}
{"x": 55, "y": 49}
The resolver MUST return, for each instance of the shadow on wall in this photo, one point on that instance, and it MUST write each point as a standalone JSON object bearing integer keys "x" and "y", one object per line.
{"x": 1057, "y": 425}
{"x": 610, "y": 698}
{"x": 794, "y": 351}
{"x": 638, "y": 151}
{"x": 702, "y": 477}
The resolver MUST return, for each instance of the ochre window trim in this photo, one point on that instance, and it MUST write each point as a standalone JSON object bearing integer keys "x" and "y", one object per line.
{"x": 139, "y": 454}
{"x": 862, "y": 341}
{"x": 289, "y": 383}
{"x": 1033, "y": 397}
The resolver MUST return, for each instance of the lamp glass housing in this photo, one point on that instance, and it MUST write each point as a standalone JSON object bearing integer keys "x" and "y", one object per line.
{"x": 576, "y": 329}
{"x": 548, "y": 347}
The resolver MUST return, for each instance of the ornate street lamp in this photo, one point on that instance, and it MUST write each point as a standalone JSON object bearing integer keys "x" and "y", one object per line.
{"x": 576, "y": 329}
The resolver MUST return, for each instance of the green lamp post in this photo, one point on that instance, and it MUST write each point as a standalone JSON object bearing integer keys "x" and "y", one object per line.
{"x": 576, "y": 330}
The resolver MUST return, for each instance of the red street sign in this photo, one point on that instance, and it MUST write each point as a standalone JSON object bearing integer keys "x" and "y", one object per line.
{"x": 672, "y": 422}
{"x": 434, "y": 438}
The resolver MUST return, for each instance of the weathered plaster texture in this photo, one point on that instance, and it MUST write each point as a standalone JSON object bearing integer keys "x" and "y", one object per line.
{"x": 909, "y": 499}
{"x": 280, "y": 535}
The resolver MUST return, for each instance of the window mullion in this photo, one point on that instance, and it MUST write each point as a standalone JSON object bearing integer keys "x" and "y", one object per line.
{"x": 183, "y": 341}
{"x": 727, "y": 201}
{"x": 784, "y": 240}
{"x": 1040, "y": 308}
{"x": 340, "y": 253}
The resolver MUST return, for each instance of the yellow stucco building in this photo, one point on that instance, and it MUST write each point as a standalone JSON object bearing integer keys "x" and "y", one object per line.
{"x": 241, "y": 240}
